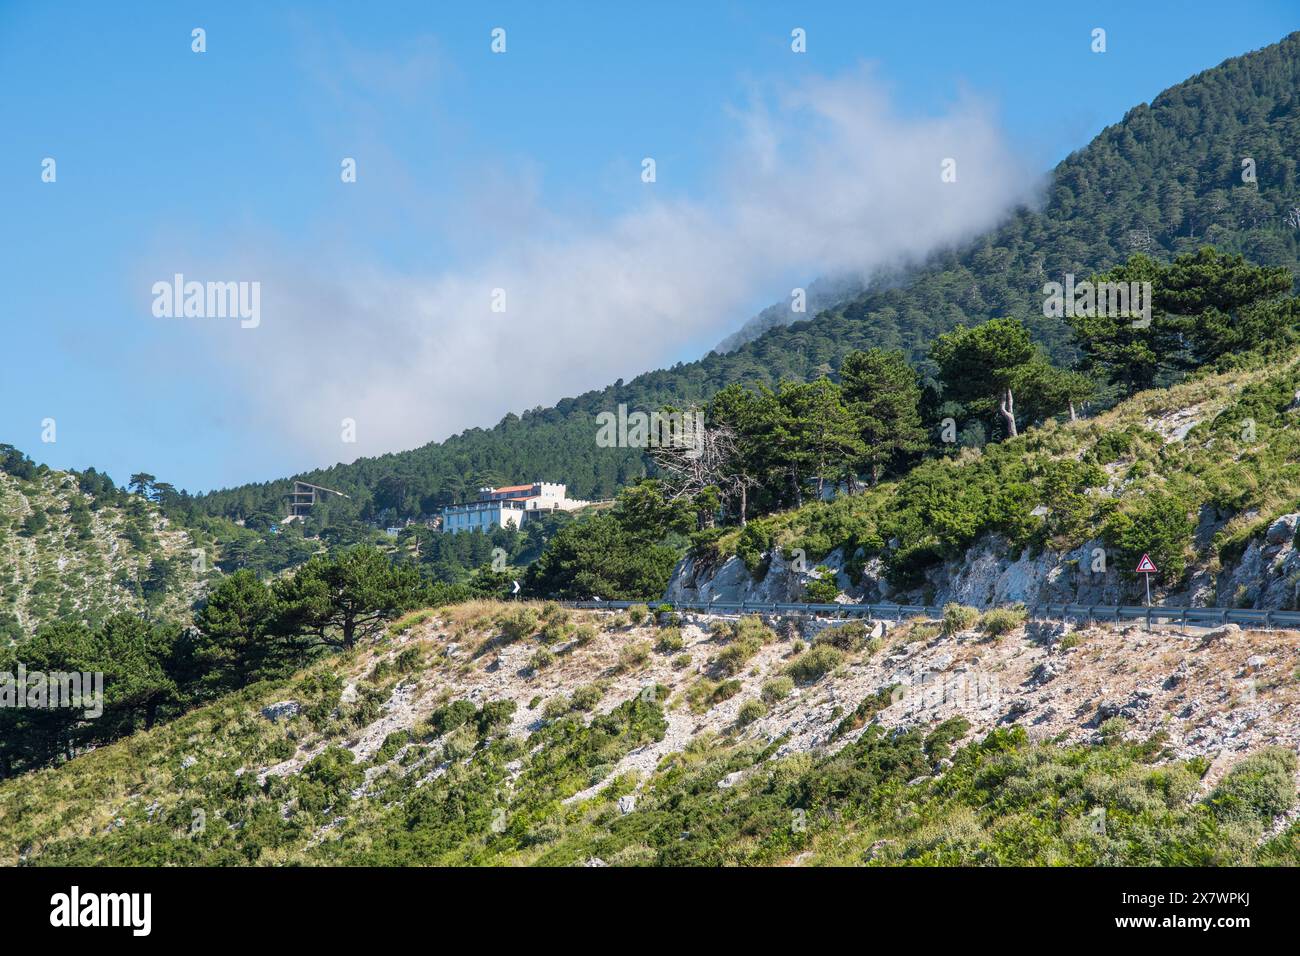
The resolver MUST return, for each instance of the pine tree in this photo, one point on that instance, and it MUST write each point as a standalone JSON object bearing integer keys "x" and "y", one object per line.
{"x": 979, "y": 366}
{"x": 816, "y": 435}
{"x": 884, "y": 398}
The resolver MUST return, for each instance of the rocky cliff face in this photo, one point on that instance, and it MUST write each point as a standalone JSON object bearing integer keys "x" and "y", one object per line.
{"x": 1266, "y": 576}
{"x": 783, "y": 582}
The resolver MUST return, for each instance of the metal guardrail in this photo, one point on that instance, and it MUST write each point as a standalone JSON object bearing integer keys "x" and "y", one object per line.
{"x": 899, "y": 612}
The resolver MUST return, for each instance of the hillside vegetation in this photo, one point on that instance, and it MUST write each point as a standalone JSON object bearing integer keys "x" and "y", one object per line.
{"x": 74, "y": 549}
{"x": 1220, "y": 452}
{"x": 517, "y": 734}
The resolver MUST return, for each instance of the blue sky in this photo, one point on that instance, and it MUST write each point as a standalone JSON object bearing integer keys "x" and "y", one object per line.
{"x": 168, "y": 160}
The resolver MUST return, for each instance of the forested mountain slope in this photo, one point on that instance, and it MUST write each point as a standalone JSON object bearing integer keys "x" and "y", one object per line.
{"x": 1166, "y": 179}
{"x": 822, "y": 295}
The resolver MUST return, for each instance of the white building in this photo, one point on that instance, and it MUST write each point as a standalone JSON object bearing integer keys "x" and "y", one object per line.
{"x": 498, "y": 507}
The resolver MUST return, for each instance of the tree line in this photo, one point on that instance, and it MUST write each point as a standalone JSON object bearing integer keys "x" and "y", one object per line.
{"x": 248, "y": 630}
{"x": 765, "y": 449}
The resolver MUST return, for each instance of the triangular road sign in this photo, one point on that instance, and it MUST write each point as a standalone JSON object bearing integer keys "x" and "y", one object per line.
{"x": 1146, "y": 565}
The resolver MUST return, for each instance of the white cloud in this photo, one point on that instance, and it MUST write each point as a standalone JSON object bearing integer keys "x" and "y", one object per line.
{"x": 823, "y": 178}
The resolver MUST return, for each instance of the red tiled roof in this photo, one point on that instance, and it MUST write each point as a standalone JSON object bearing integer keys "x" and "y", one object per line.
{"x": 497, "y": 491}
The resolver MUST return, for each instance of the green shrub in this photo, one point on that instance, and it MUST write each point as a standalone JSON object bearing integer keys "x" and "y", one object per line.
{"x": 777, "y": 689}
{"x": 750, "y": 711}
{"x": 726, "y": 690}
{"x": 699, "y": 696}
{"x": 517, "y": 624}
{"x": 587, "y": 696}
{"x": 494, "y": 716}
{"x": 822, "y": 589}
{"x": 633, "y": 655}
{"x": 391, "y": 745}
{"x": 849, "y": 637}
{"x": 454, "y": 715}
{"x": 408, "y": 621}
{"x": 682, "y": 660}
{"x": 814, "y": 664}
{"x": 704, "y": 693}
{"x": 583, "y": 635}
{"x": 750, "y": 627}
{"x": 637, "y": 613}
{"x": 383, "y": 669}
{"x": 731, "y": 659}
{"x": 554, "y": 631}
{"x": 1113, "y": 728}
{"x": 938, "y": 744}
{"x": 1258, "y": 789}
{"x": 459, "y": 744}
{"x": 409, "y": 660}
{"x": 553, "y": 613}
{"x": 325, "y": 782}
{"x": 556, "y": 708}
{"x": 1159, "y": 526}
{"x": 754, "y": 543}
{"x": 1111, "y": 447}
{"x": 1002, "y": 620}
{"x": 323, "y": 692}
{"x": 958, "y": 618}
{"x": 867, "y": 708}
{"x": 670, "y": 640}
{"x": 35, "y": 523}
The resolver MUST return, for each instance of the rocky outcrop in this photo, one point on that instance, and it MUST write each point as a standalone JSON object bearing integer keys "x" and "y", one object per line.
{"x": 281, "y": 709}
{"x": 783, "y": 582}
{"x": 1266, "y": 576}
{"x": 985, "y": 576}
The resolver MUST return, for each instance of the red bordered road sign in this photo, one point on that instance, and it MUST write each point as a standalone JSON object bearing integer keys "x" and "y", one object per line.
{"x": 1146, "y": 565}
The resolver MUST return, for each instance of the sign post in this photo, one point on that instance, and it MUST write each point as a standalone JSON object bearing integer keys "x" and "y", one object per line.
{"x": 1146, "y": 567}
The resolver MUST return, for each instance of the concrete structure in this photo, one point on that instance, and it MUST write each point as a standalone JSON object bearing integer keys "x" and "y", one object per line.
{"x": 498, "y": 507}
{"x": 304, "y": 496}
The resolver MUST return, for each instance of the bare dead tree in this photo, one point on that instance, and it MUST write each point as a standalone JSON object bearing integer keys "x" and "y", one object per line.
{"x": 710, "y": 456}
